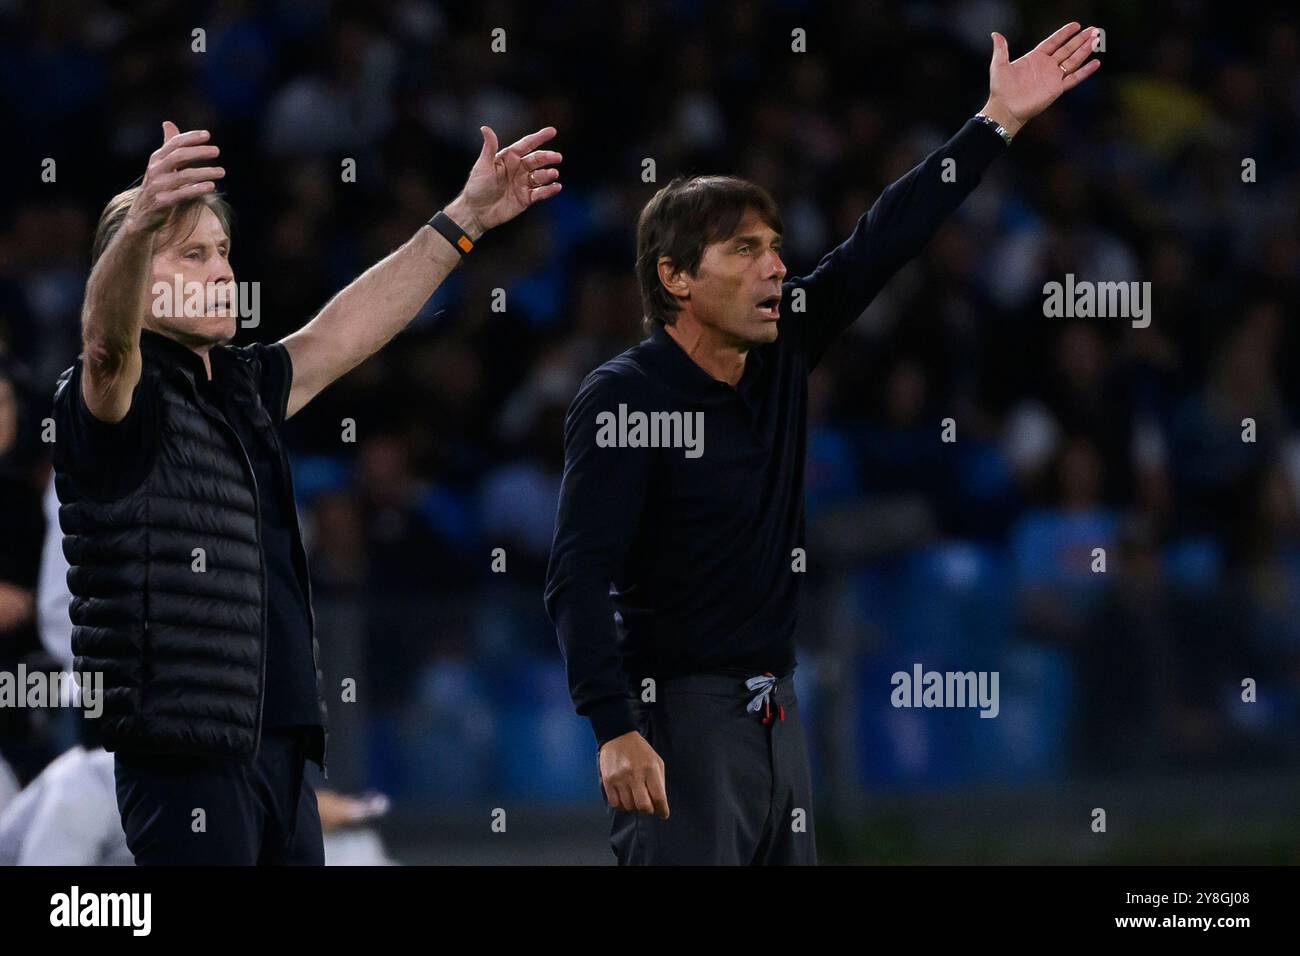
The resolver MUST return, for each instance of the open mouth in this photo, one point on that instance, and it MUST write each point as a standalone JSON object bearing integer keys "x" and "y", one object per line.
{"x": 770, "y": 307}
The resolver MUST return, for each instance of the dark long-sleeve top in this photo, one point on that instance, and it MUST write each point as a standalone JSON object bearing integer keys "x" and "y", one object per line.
{"x": 669, "y": 561}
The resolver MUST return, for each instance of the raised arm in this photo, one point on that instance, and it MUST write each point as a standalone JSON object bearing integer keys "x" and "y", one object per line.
{"x": 116, "y": 292}
{"x": 911, "y": 210}
{"x": 378, "y": 304}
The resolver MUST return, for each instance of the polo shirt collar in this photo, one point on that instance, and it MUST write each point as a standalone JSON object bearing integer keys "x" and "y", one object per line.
{"x": 680, "y": 369}
{"x": 171, "y": 354}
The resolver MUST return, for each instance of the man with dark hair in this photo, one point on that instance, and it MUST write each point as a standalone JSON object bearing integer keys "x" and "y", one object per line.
{"x": 673, "y": 582}
{"x": 189, "y": 577}
{"x": 683, "y": 218}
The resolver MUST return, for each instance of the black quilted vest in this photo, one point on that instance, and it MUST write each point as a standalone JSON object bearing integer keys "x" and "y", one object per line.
{"x": 183, "y": 653}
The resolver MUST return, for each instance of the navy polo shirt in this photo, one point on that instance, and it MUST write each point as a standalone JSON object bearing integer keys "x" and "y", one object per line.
{"x": 664, "y": 563}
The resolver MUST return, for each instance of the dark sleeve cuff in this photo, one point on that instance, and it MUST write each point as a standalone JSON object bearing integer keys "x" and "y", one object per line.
{"x": 610, "y": 718}
{"x": 984, "y": 140}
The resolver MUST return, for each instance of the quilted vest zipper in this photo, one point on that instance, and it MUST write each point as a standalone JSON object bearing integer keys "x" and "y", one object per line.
{"x": 261, "y": 558}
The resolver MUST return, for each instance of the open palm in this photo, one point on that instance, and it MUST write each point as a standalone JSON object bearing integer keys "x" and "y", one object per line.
{"x": 1027, "y": 86}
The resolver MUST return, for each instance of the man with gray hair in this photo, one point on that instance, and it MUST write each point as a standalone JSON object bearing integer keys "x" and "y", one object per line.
{"x": 191, "y": 592}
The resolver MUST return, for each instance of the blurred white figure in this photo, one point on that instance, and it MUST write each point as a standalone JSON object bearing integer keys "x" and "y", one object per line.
{"x": 67, "y": 816}
{"x": 347, "y": 842}
{"x": 8, "y": 785}
{"x": 52, "y": 594}
{"x": 356, "y": 848}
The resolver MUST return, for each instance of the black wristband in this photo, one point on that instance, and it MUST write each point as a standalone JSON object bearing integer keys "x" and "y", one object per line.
{"x": 445, "y": 226}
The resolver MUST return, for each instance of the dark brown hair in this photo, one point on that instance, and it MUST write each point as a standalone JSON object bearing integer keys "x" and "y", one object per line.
{"x": 181, "y": 222}
{"x": 680, "y": 220}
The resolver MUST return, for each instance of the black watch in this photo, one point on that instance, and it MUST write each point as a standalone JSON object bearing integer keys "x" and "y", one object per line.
{"x": 446, "y": 226}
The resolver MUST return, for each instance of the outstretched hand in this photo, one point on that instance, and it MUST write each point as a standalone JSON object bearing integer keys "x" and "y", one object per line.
{"x": 1021, "y": 89}
{"x": 505, "y": 182}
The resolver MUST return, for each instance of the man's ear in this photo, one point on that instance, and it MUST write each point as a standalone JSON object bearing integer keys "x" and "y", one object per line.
{"x": 673, "y": 279}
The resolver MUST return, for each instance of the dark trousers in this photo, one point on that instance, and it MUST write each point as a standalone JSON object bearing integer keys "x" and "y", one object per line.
{"x": 260, "y": 813}
{"x": 739, "y": 790}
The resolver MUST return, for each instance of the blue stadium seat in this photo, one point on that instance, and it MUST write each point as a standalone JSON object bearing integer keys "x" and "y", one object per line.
{"x": 545, "y": 750}
{"x": 1193, "y": 563}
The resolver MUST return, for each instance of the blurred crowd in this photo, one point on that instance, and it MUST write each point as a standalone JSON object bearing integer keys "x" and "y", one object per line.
{"x": 1071, "y": 434}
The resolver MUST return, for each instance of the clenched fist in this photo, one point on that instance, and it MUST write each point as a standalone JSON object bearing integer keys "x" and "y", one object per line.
{"x": 633, "y": 775}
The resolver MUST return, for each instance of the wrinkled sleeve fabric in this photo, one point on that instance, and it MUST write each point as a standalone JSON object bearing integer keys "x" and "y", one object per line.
{"x": 602, "y": 498}
{"x": 896, "y": 227}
